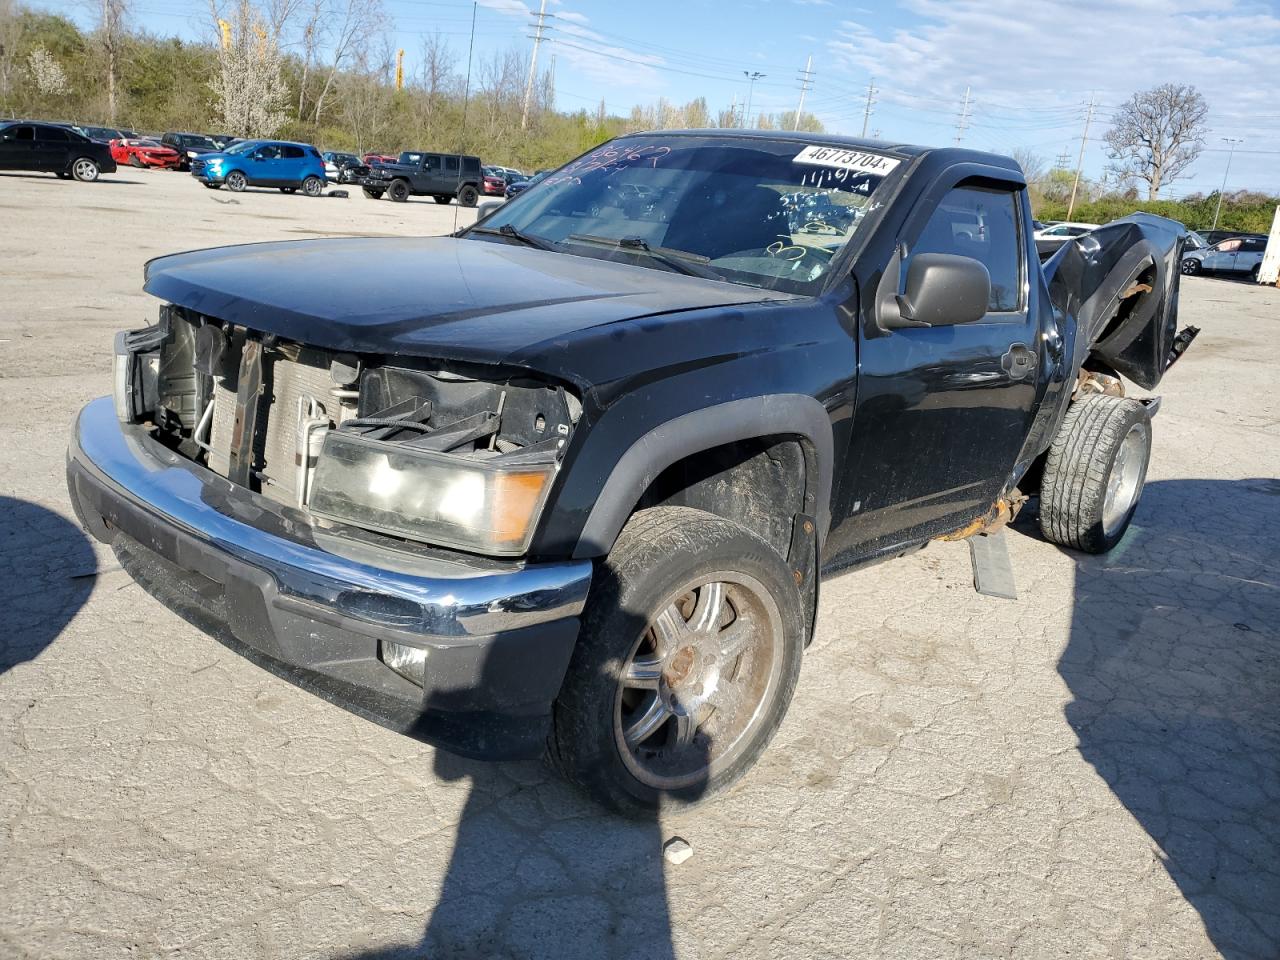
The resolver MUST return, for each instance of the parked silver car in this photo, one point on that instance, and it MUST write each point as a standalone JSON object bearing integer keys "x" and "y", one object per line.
{"x": 1238, "y": 255}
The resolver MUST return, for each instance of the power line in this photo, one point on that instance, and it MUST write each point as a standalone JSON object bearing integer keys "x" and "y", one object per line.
{"x": 533, "y": 63}
{"x": 1231, "y": 141}
{"x": 964, "y": 118}
{"x": 1084, "y": 139}
{"x": 806, "y": 83}
{"x": 866, "y": 111}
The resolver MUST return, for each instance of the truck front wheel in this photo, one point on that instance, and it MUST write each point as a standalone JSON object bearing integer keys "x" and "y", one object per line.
{"x": 1094, "y": 473}
{"x": 689, "y": 652}
{"x": 399, "y": 191}
{"x": 371, "y": 193}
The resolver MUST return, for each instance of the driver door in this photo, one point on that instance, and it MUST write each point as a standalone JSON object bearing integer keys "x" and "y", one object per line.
{"x": 1222, "y": 256}
{"x": 943, "y": 410}
{"x": 17, "y": 148}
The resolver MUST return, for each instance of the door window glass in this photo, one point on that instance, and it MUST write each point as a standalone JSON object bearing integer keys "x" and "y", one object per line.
{"x": 54, "y": 133}
{"x": 431, "y": 163}
{"x": 982, "y": 224}
{"x": 470, "y": 165}
{"x": 451, "y": 164}
{"x": 25, "y": 133}
{"x": 292, "y": 153}
{"x": 269, "y": 152}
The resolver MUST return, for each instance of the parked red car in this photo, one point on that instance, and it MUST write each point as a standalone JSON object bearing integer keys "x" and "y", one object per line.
{"x": 493, "y": 186}
{"x": 372, "y": 158}
{"x": 144, "y": 153}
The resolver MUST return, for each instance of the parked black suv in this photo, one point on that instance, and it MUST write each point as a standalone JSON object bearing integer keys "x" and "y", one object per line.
{"x": 53, "y": 148}
{"x": 190, "y": 146}
{"x": 567, "y": 482}
{"x": 416, "y": 174}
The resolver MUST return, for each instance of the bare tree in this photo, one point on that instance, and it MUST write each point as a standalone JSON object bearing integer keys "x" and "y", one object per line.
{"x": 1157, "y": 135}
{"x": 310, "y": 44}
{"x": 111, "y": 34}
{"x": 10, "y": 30}
{"x": 249, "y": 88}
{"x": 437, "y": 78}
{"x": 1033, "y": 165}
{"x": 364, "y": 96}
{"x": 354, "y": 24}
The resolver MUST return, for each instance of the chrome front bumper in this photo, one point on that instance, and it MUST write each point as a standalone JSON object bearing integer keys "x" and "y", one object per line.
{"x": 311, "y": 604}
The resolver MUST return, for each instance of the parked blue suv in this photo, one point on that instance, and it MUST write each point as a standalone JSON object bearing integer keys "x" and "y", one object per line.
{"x": 263, "y": 163}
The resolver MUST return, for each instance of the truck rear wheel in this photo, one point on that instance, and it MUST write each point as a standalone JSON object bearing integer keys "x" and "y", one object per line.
{"x": 467, "y": 196}
{"x": 398, "y": 191}
{"x": 1094, "y": 473}
{"x": 689, "y": 654}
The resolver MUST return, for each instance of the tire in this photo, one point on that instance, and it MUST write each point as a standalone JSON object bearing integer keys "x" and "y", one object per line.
{"x": 1094, "y": 473}
{"x": 85, "y": 169}
{"x": 399, "y": 191}
{"x": 651, "y": 577}
{"x": 372, "y": 194}
{"x": 468, "y": 196}
{"x": 288, "y": 189}
{"x": 1253, "y": 274}
{"x": 236, "y": 181}
{"x": 134, "y": 161}
{"x": 1190, "y": 266}
{"x": 312, "y": 186}
{"x": 442, "y": 198}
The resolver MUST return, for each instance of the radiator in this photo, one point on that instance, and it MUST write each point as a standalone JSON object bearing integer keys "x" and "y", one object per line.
{"x": 276, "y": 450}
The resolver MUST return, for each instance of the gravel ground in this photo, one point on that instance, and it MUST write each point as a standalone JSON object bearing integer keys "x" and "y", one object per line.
{"x": 1092, "y": 770}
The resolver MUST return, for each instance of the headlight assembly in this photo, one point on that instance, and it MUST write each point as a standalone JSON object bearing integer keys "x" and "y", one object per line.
{"x": 475, "y": 505}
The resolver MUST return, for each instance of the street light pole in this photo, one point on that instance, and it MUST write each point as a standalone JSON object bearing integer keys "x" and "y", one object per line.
{"x": 1230, "y": 152}
{"x": 752, "y": 76}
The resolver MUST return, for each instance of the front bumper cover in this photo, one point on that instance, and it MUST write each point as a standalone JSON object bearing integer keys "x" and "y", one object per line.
{"x": 310, "y": 606}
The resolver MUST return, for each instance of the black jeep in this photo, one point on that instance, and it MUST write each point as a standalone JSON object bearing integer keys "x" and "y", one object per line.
{"x": 568, "y": 481}
{"x": 441, "y": 176}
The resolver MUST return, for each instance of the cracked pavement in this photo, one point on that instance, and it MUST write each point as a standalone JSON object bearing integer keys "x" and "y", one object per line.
{"x": 1092, "y": 770}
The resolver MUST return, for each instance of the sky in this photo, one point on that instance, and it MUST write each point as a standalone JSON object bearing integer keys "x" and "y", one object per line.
{"x": 1030, "y": 67}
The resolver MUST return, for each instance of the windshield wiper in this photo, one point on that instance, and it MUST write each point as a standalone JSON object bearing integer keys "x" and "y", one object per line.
{"x": 528, "y": 239}
{"x": 681, "y": 261}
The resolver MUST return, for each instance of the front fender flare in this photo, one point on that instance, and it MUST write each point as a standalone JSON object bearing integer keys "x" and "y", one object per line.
{"x": 778, "y": 415}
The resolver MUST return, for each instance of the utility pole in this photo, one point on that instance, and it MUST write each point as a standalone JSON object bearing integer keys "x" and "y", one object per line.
{"x": 963, "y": 122}
{"x": 866, "y": 111}
{"x": 752, "y": 76}
{"x": 806, "y": 81}
{"x": 1084, "y": 139}
{"x": 1063, "y": 159}
{"x": 733, "y": 110}
{"x": 1231, "y": 149}
{"x": 533, "y": 62}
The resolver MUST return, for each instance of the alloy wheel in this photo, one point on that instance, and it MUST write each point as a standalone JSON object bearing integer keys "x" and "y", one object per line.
{"x": 698, "y": 680}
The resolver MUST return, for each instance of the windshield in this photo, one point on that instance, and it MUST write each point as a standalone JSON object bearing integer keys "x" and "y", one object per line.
{"x": 766, "y": 213}
{"x": 244, "y": 146}
{"x": 197, "y": 143}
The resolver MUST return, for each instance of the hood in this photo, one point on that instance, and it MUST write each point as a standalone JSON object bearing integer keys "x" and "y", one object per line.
{"x": 432, "y": 297}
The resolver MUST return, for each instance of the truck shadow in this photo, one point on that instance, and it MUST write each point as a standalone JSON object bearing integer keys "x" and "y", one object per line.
{"x": 47, "y": 569}
{"x": 1173, "y": 662}
{"x": 540, "y": 872}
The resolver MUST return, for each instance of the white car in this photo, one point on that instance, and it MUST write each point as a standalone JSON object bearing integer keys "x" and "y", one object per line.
{"x": 1238, "y": 255}
{"x": 1065, "y": 231}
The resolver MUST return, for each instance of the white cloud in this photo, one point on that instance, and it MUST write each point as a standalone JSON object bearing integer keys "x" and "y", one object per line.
{"x": 512, "y": 8}
{"x": 1019, "y": 55}
{"x": 571, "y": 17}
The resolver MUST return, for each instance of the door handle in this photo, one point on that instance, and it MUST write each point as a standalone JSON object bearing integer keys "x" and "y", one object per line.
{"x": 1018, "y": 361}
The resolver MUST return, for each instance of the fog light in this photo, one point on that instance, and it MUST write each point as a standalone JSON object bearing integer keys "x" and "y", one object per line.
{"x": 409, "y": 662}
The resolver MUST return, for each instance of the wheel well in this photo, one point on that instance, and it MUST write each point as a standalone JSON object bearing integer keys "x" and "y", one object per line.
{"x": 758, "y": 483}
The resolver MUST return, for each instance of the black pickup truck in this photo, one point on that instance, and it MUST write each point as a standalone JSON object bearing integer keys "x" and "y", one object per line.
{"x": 568, "y": 480}
{"x": 441, "y": 176}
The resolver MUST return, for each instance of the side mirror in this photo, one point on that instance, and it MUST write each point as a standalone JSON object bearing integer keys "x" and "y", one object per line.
{"x": 944, "y": 289}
